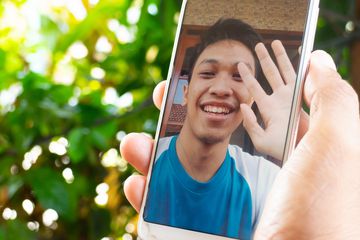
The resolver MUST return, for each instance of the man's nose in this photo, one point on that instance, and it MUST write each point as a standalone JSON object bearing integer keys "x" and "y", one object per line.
{"x": 221, "y": 86}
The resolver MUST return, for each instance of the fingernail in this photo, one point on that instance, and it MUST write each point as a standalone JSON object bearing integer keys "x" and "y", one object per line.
{"x": 259, "y": 46}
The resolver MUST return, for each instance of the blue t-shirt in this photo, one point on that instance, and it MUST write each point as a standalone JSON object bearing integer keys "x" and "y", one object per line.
{"x": 221, "y": 206}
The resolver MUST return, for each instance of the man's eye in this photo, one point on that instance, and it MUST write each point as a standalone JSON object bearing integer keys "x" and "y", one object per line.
{"x": 207, "y": 75}
{"x": 237, "y": 77}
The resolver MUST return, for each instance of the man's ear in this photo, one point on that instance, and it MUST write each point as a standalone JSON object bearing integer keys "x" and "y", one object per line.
{"x": 185, "y": 94}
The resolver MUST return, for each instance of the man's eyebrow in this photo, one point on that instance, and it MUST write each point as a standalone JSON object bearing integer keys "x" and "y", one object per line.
{"x": 209, "y": 61}
{"x": 214, "y": 61}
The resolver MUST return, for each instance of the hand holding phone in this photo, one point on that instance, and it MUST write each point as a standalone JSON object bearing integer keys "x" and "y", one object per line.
{"x": 203, "y": 161}
{"x": 314, "y": 210}
{"x": 314, "y": 195}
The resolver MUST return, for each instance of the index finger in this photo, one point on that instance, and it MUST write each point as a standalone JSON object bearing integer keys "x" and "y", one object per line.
{"x": 252, "y": 84}
{"x": 136, "y": 148}
{"x": 158, "y": 93}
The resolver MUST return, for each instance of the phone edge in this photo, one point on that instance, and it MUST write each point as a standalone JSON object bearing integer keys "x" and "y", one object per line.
{"x": 296, "y": 106}
{"x": 143, "y": 227}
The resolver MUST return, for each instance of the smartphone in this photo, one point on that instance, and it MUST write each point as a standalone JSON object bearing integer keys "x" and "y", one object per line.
{"x": 229, "y": 118}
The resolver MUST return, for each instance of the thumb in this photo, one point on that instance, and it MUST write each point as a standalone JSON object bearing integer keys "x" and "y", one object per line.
{"x": 332, "y": 101}
{"x": 317, "y": 183}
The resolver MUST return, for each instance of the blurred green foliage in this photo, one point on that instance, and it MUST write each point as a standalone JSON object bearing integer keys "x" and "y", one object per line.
{"x": 75, "y": 76}
{"x": 336, "y": 31}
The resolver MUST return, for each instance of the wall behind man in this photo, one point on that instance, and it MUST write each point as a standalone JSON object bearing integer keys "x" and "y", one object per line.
{"x": 287, "y": 15}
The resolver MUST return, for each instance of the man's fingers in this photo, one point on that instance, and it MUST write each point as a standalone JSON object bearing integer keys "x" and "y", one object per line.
{"x": 286, "y": 68}
{"x": 252, "y": 84}
{"x": 269, "y": 67}
{"x": 250, "y": 124}
{"x": 159, "y": 94}
{"x": 136, "y": 148}
{"x": 134, "y": 188}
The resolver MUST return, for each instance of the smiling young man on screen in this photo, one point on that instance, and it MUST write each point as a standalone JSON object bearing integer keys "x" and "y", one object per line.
{"x": 199, "y": 181}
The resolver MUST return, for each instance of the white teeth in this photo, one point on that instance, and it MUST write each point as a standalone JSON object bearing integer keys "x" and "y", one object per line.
{"x": 215, "y": 109}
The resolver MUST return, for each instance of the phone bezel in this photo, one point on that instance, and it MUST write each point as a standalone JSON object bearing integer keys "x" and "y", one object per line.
{"x": 296, "y": 105}
{"x": 153, "y": 231}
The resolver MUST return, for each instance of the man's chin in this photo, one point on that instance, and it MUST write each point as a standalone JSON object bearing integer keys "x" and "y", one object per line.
{"x": 212, "y": 139}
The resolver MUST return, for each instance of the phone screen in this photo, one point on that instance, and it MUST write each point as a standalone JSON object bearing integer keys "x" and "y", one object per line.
{"x": 224, "y": 126}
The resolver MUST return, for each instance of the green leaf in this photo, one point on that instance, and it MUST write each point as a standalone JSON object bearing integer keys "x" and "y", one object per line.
{"x": 50, "y": 32}
{"x": 61, "y": 94}
{"x": 94, "y": 20}
{"x": 34, "y": 81}
{"x": 2, "y": 59}
{"x": 4, "y": 143}
{"x": 102, "y": 135}
{"x": 2, "y": 233}
{"x": 16, "y": 229}
{"x": 14, "y": 184}
{"x": 78, "y": 144}
{"x": 53, "y": 192}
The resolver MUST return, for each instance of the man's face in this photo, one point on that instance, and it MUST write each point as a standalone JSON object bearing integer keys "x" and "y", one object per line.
{"x": 216, "y": 91}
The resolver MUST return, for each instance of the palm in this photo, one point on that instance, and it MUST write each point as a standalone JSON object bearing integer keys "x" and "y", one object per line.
{"x": 275, "y": 114}
{"x": 274, "y": 108}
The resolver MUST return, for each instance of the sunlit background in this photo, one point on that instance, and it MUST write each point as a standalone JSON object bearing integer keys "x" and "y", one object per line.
{"x": 75, "y": 77}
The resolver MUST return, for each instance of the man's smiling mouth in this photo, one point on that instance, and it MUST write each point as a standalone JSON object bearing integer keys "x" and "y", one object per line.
{"x": 215, "y": 109}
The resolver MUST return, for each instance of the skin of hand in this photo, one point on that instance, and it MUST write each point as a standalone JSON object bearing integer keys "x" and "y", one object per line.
{"x": 134, "y": 186}
{"x": 274, "y": 108}
{"x": 317, "y": 193}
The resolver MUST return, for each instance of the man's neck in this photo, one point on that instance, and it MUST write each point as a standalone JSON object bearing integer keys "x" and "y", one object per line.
{"x": 200, "y": 160}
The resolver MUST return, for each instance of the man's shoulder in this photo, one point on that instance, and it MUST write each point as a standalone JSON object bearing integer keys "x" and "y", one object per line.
{"x": 238, "y": 154}
{"x": 163, "y": 145}
{"x": 165, "y": 140}
{"x": 246, "y": 162}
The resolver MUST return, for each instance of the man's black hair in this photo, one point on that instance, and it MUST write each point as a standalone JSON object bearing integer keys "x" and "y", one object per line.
{"x": 229, "y": 29}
